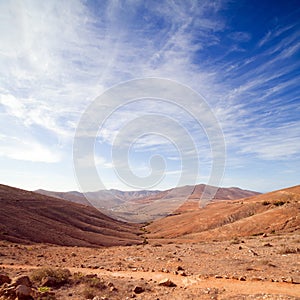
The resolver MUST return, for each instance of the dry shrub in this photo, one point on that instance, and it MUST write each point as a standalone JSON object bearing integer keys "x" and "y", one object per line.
{"x": 60, "y": 276}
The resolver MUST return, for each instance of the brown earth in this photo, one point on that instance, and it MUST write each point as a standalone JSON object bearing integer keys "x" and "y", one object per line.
{"x": 221, "y": 220}
{"x": 240, "y": 249}
{"x": 249, "y": 268}
{"x": 144, "y": 206}
{"x": 31, "y": 217}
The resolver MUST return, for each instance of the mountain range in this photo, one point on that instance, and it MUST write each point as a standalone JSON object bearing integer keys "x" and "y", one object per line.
{"x": 145, "y": 206}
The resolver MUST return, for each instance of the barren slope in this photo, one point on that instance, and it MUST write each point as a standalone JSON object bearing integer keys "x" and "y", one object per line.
{"x": 272, "y": 212}
{"x": 31, "y": 217}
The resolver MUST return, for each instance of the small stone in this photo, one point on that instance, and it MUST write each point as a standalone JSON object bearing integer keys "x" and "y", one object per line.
{"x": 264, "y": 235}
{"x": 287, "y": 280}
{"x": 256, "y": 279}
{"x": 218, "y": 276}
{"x": 180, "y": 268}
{"x": 182, "y": 273}
{"x": 253, "y": 252}
{"x": 242, "y": 278}
{"x": 138, "y": 290}
{"x": 167, "y": 282}
{"x": 73, "y": 254}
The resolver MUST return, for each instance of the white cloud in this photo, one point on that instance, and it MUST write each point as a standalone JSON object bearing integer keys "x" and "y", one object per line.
{"x": 56, "y": 57}
{"x": 27, "y": 150}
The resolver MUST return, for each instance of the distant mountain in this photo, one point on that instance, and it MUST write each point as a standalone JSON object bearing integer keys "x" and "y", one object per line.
{"x": 275, "y": 212}
{"x": 142, "y": 206}
{"x": 29, "y": 217}
{"x": 103, "y": 199}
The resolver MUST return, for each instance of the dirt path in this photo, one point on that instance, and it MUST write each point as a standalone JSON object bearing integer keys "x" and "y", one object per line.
{"x": 231, "y": 286}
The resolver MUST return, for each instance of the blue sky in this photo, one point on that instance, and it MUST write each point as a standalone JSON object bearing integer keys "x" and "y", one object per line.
{"x": 243, "y": 57}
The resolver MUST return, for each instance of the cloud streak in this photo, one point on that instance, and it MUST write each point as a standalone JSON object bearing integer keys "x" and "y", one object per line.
{"x": 55, "y": 58}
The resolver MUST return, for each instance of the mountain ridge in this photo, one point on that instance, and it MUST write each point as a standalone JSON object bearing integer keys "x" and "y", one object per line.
{"x": 144, "y": 206}
{"x": 29, "y": 217}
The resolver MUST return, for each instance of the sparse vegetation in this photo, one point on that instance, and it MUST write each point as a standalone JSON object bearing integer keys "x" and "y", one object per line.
{"x": 265, "y": 203}
{"x": 235, "y": 241}
{"x": 89, "y": 292}
{"x": 58, "y": 276}
{"x": 44, "y": 289}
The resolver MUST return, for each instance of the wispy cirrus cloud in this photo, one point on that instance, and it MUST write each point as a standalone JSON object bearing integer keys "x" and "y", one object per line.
{"x": 55, "y": 58}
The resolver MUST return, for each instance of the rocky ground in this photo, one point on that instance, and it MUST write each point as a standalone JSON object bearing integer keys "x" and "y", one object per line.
{"x": 255, "y": 267}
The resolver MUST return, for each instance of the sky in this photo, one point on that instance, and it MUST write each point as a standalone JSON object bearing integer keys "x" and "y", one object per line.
{"x": 59, "y": 58}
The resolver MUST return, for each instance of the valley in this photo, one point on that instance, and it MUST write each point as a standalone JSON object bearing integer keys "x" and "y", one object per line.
{"x": 246, "y": 248}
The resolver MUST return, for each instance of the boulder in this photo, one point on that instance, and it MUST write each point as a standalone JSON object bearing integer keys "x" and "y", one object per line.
{"x": 21, "y": 280}
{"x": 49, "y": 281}
{"x": 167, "y": 282}
{"x": 4, "y": 279}
{"x": 23, "y": 292}
{"x": 138, "y": 290}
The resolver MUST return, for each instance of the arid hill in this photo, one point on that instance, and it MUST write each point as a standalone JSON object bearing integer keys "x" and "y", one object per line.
{"x": 277, "y": 211}
{"x": 144, "y": 206}
{"x": 30, "y": 217}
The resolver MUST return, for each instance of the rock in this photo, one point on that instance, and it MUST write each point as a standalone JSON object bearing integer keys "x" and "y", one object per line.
{"x": 7, "y": 291}
{"x": 182, "y": 273}
{"x": 167, "y": 282}
{"x": 49, "y": 281}
{"x": 23, "y": 292}
{"x": 4, "y": 279}
{"x": 256, "y": 279}
{"x": 73, "y": 254}
{"x": 138, "y": 290}
{"x": 180, "y": 268}
{"x": 288, "y": 279}
{"x": 91, "y": 276}
{"x": 218, "y": 276}
{"x": 253, "y": 252}
{"x": 296, "y": 279}
{"x": 264, "y": 235}
{"x": 242, "y": 278}
{"x": 21, "y": 280}
{"x": 96, "y": 298}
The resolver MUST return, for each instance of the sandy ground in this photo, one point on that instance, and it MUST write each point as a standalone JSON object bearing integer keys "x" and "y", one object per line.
{"x": 256, "y": 267}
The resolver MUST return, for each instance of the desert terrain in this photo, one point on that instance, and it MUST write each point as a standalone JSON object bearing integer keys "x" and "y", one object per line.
{"x": 145, "y": 206}
{"x": 246, "y": 248}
